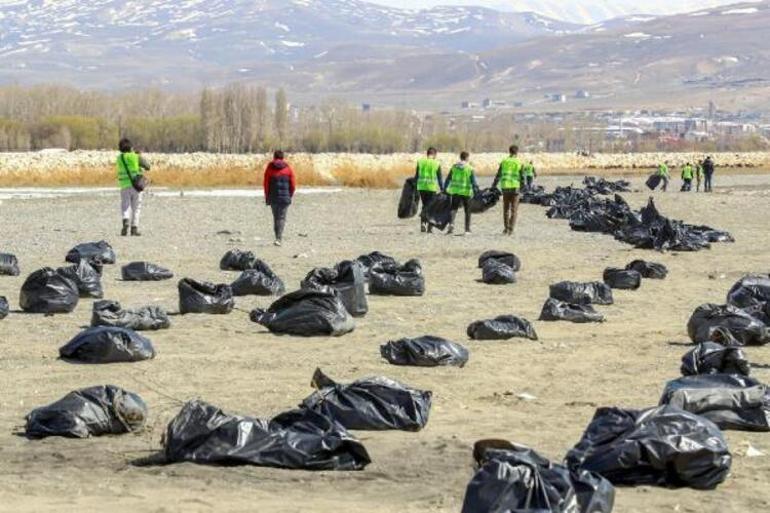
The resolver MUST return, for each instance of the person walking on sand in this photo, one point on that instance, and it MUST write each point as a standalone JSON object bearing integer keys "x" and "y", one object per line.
{"x": 509, "y": 176}
{"x": 130, "y": 166}
{"x": 428, "y": 178}
{"x": 698, "y": 175}
{"x": 279, "y": 184}
{"x": 687, "y": 176}
{"x": 708, "y": 174}
{"x": 529, "y": 174}
{"x": 664, "y": 175}
{"x": 461, "y": 186}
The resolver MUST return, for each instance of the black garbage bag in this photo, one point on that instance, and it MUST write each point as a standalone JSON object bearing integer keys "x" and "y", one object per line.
{"x": 146, "y": 318}
{"x": 622, "y": 278}
{"x": 145, "y": 271}
{"x": 663, "y": 446}
{"x": 348, "y": 279}
{"x": 708, "y": 318}
{"x": 85, "y": 277}
{"x": 590, "y": 293}
{"x": 375, "y": 257}
{"x": 92, "y": 411}
{"x": 534, "y": 195}
{"x": 9, "y": 265}
{"x": 373, "y": 404}
{"x": 715, "y": 358}
{"x": 424, "y": 351}
{"x": 202, "y": 433}
{"x": 484, "y": 200}
{"x": 439, "y": 213}
{"x": 4, "y": 308}
{"x": 260, "y": 281}
{"x": 92, "y": 252}
{"x": 106, "y": 344}
{"x": 514, "y": 478}
{"x": 409, "y": 203}
{"x": 386, "y": 279}
{"x": 751, "y": 290}
{"x": 650, "y": 270}
{"x": 204, "y": 297}
{"x": 495, "y": 272}
{"x": 503, "y": 327}
{"x": 237, "y": 260}
{"x": 46, "y": 291}
{"x": 600, "y": 185}
{"x": 653, "y": 181}
{"x": 503, "y": 257}
{"x": 729, "y": 401}
{"x": 307, "y": 313}
{"x": 555, "y": 310}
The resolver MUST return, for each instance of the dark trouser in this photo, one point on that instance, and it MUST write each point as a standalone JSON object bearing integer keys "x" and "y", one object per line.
{"x": 664, "y": 179}
{"x": 457, "y": 201}
{"x": 279, "y": 219}
{"x": 687, "y": 185}
{"x": 707, "y": 182}
{"x": 697, "y": 184}
{"x": 510, "y": 208}
{"x": 528, "y": 181}
{"x": 426, "y": 198}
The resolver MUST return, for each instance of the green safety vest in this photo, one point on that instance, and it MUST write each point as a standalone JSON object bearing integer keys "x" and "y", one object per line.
{"x": 132, "y": 161}
{"x": 663, "y": 170}
{"x": 427, "y": 174}
{"x": 461, "y": 184}
{"x": 687, "y": 172}
{"x": 510, "y": 173}
{"x": 529, "y": 170}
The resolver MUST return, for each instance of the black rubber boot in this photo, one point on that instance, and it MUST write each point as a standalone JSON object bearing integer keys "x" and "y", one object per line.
{"x": 135, "y": 232}
{"x": 124, "y": 231}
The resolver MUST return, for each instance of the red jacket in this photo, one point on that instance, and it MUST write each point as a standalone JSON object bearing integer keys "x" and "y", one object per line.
{"x": 279, "y": 183}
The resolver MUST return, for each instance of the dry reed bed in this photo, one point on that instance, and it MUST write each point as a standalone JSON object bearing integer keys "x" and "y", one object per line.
{"x": 92, "y": 168}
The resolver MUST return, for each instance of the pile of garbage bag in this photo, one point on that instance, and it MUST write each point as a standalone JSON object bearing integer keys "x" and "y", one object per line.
{"x": 107, "y": 344}
{"x": 409, "y": 203}
{"x": 623, "y": 279}
{"x": 730, "y": 401}
{"x": 715, "y": 358}
{"x": 512, "y": 478}
{"x": 307, "y": 313}
{"x": 298, "y": 439}
{"x": 599, "y": 185}
{"x": 439, "y": 212}
{"x": 237, "y": 260}
{"x": 663, "y": 446}
{"x": 388, "y": 279}
{"x": 555, "y": 310}
{"x": 48, "y": 292}
{"x": 260, "y": 281}
{"x": 709, "y": 320}
{"x": 495, "y": 272}
{"x": 651, "y": 270}
{"x": 146, "y": 318}
{"x": 503, "y": 327}
{"x": 204, "y": 297}
{"x": 503, "y": 257}
{"x": 484, "y": 200}
{"x": 145, "y": 271}
{"x": 9, "y": 265}
{"x": 348, "y": 279}
{"x": 589, "y": 293}
{"x": 4, "y": 308}
{"x": 373, "y": 404}
{"x": 375, "y": 257}
{"x": 92, "y": 411}
{"x": 427, "y": 351}
{"x": 100, "y": 252}
{"x": 87, "y": 280}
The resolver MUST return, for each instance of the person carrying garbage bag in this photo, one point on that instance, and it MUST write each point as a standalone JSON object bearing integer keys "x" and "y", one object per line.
{"x": 279, "y": 184}
{"x": 429, "y": 183}
{"x": 509, "y": 176}
{"x": 687, "y": 175}
{"x": 664, "y": 174}
{"x": 461, "y": 186}
{"x": 130, "y": 170}
{"x": 698, "y": 175}
{"x": 528, "y": 173}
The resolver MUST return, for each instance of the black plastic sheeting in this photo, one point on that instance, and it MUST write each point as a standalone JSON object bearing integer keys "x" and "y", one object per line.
{"x": 652, "y": 270}
{"x": 663, "y": 446}
{"x": 9, "y": 265}
{"x": 503, "y": 327}
{"x": 4, "y": 308}
{"x": 261, "y": 281}
{"x": 92, "y": 252}
{"x": 307, "y": 313}
{"x": 439, "y": 213}
{"x": 106, "y": 344}
{"x": 589, "y": 293}
{"x": 202, "y": 433}
{"x": 46, "y": 291}
{"x": 146, "y": 318}
{"x": 729, "y": 401}
{"x": 427, "y": 351}
{"x": 373, "y": 404}
{"x": 495, "y": 272}
{"x": 503, "y": 257}
{"x": 348, "y": 279}
{"x": 484, "y": 200}
{"x": 93, "y": 411}
{"x": 749, "y": 291}
{"x": 238, "y": 260}
{"x": 715, "y": 358}
{"x": 375, "y": 257}
{"x": 622, "y": 278}
{"x": 145, "y": 271}
{"x": 85, "y": 277}
{"x": 386, "y": 279}
{"x": 599, "y": 185}
{"x": 514, "y": 478}
{"x": 204, "y": 297}
{"x": 708, "y": 319}
{"x": 409, "y": 203}
{"x": 555, "y": 310}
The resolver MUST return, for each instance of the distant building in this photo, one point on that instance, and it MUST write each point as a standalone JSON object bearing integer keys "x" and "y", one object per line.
{"x": 366, "y": 107}
{"x": 486, "y": 103}
{"x": 559, "y": 98}
{"x": 582, "y": 94}
{"x": 465, "y": 105}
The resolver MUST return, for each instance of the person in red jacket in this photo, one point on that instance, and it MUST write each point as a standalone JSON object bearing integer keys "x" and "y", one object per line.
{"x": 279, "y": 185}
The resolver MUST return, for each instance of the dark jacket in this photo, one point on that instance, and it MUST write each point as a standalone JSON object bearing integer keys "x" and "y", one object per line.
{"x": 708, "y": 166}
{"x": 279, "y": 183}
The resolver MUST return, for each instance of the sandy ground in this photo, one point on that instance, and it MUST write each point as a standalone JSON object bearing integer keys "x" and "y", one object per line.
{"x": 236, "y": 365}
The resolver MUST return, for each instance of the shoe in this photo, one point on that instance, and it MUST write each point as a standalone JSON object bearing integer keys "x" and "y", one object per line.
{"x": 124, "y": 231}
{"x": 505, "y": 231}
{"x": 277, "y": 243}
{"x": 423, "y": 228}
{"x": 450, "y": 230}
{"x": 135, "y": 232}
